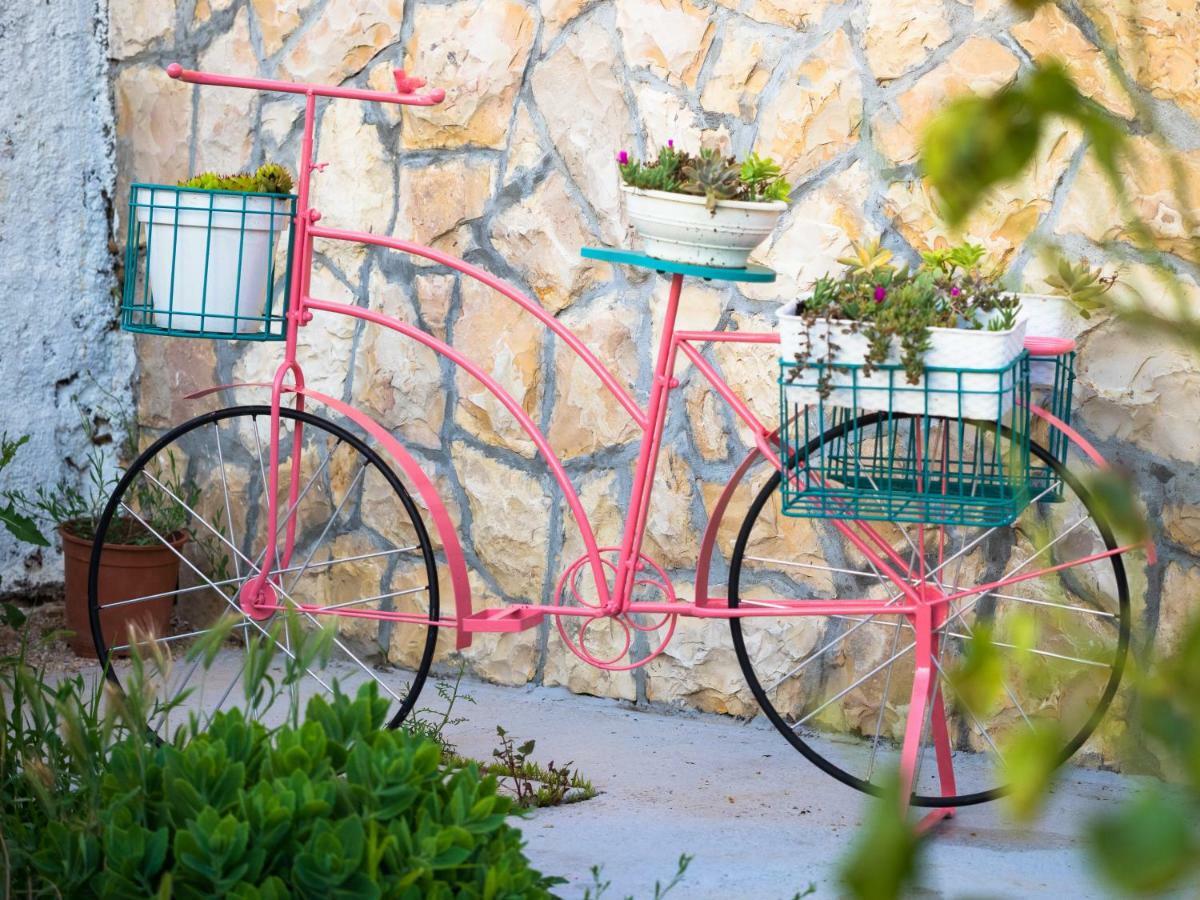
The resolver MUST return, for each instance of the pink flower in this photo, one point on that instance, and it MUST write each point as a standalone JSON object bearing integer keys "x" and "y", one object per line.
{"x": 954, "y": 291}
{"x": 671, "y": 144}
{"x": 623, "y": 157}
{"x": 880, "y": 293}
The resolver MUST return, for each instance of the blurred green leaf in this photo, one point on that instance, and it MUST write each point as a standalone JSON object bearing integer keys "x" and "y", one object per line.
{"x": 885, "y": 859}
{"x": 22, "y": 527}
{"x": 1115, "y": 501}
{"x": 1031, "y": 759}
{"x": 978, "y": 679}
{"x": 1148, "y": 845}
{"x": 976, "y": 143}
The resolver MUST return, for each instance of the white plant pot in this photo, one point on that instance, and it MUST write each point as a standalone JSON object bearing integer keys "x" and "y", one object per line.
{"x": 964, "y": 393}
{"x": 679, "y": 228}
{"x": 1047, "y": 315}
{"x": 181, "y": 246}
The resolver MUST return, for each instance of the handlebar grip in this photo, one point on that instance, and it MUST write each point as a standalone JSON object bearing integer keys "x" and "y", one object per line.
{"x": 410, "y": 84}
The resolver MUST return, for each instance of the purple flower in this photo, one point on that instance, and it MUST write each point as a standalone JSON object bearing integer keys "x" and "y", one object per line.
{"x": 623, "y": 157}
{"x": 954, "y": 291}
{"x": 671, "y": 144}
{"x": 880, "y": 293}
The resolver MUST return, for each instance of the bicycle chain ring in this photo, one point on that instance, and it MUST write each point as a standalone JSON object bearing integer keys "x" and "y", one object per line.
{"x": 613, "y": 642}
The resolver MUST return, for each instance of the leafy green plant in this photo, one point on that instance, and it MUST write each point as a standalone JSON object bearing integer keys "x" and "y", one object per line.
{"x": 269, "y": 178}
{"x": 599, "y": 887}
{"x": 1082, "y": 284}
{"x": 20, "y": 525}
{"x": 535, "y": 785}
{"x": 894, "y": 306}
{"x": 713, "y": 177}
{"x": 708, "y": 174}
{"x": 333, "y": 805}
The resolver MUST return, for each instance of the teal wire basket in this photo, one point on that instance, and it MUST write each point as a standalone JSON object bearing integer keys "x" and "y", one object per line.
{"x": 208, "y": 263}
{"x": 1055, "y": 396}
{"x": 953, "y": 450}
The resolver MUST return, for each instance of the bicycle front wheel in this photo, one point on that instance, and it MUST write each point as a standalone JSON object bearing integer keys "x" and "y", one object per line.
{"x": 361, "y": 552}
{"x": 837, "y": 687}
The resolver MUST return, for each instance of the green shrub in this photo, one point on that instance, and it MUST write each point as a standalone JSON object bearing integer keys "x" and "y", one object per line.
{"x": 330, "y": 806}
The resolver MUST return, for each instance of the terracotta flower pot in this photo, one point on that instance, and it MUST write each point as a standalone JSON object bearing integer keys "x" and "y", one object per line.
{"x": 126, "y": 571}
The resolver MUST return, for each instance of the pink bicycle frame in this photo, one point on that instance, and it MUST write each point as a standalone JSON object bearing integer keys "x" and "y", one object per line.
{"x": 924, "y": 607}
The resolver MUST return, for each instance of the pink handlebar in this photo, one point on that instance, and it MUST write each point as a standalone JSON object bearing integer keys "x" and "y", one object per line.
{"x": 1048, "y": 346}
{"x": 406, "y": 87}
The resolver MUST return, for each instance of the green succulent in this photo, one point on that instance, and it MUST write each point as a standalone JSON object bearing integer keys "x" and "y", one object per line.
{"x": 1081, "y": 284}
{"x": 755, "y": 179}
{"x": 270, "y": 178}
{"x": 714, "y": 176}
{"x": 867, "y": 259}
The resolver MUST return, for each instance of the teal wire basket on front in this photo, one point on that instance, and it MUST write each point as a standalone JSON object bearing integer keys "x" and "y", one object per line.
{"x": 208, "y": 263}
{"x": 866, "y": 444}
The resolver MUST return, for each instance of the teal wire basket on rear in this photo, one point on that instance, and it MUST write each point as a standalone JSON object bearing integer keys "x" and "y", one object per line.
{"x": 208, "y": 263}
{"x": 868, "y": 445}
{"x": 1055, "y": 397}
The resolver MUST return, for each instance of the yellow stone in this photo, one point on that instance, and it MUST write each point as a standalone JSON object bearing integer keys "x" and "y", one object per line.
{"x": 541, "y": 236}
{"x": 980, "y": 65}
{"x": 277, "y": 20}
{"x": 813, "y": 235}
{"x": 154, "y": 127}
{"x": 134, "y": 25}
{"x": 509, "y": 521}
{"x": 1181, "y": 524}
{"x": 225, "y": 117}
{"x": 404, "y": 390}
{"x": 435, "y": 293}
{"x": 665, "y": 116}
{"x": 476, "y": 51}
{"x": 1177, "y": 608}
{"x": 506, "y": 342}
{"x": 1092, "y": 208}
{"x": 556, "y": 14}
{"x": 601, "y": 500}
{"x": 1139, "y": 392}
{"x": 669, "y": 37}
{"x": 671, "y": 538}
{"x": 1158, "y": 42}
{"x": 900, "y": 34}
{"x": 816, "y": 113}
{"x": 1050, "y": 35}
{"x": 802, "y": 15}
{"x": 584, "y": 60}
{"x": 346, "y": 35}
{"x": 439, "y": 200}
{"x": 525, "y": 151}
{"x": 746, "y": 60}
{"x": 710, "y": 433}
{"x": 586, "y": 417}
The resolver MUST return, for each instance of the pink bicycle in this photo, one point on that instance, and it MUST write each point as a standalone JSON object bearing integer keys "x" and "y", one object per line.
{"x": 848, "y": 620}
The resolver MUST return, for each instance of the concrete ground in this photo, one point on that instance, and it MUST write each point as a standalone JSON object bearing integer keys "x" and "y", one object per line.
{"x": 759, "y": 820}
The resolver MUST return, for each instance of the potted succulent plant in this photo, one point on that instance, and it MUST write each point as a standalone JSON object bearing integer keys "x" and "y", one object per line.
{"x": 703, "y": 209}
{"x": 949, "y": 313}
{"x": 1079, "y": 284}
{"x": 139, "y": 565}
{"x": 210, "y": 242}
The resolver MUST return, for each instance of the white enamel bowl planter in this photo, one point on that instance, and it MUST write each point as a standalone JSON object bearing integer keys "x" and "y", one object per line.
{"x": 181, "y": 240}
{"x": 986, "y": 394}
{"x": 679, "y": 227}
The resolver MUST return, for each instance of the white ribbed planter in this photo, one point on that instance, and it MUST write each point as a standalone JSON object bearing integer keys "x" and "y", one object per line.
{"x": 220, "y": 270}
{"x": 679, "y": 228}
{"x": 963, "y": 393}
{"x": 1048, "y": 315}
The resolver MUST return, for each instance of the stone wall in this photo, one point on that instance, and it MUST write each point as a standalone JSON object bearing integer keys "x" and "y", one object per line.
{"x": 62, "y": 360}
{"x": 515, "y": 171}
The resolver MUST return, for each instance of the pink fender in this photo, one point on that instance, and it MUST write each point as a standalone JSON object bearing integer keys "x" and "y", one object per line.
{"x": 416, "y": 477}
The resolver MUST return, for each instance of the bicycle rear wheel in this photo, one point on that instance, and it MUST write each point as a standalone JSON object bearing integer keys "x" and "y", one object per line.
{"x": 837, "y": 687}
{"x": 361, "y": 553}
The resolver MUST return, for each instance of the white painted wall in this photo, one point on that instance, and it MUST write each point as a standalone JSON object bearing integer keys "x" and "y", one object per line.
{"x": 60, "y": 349}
